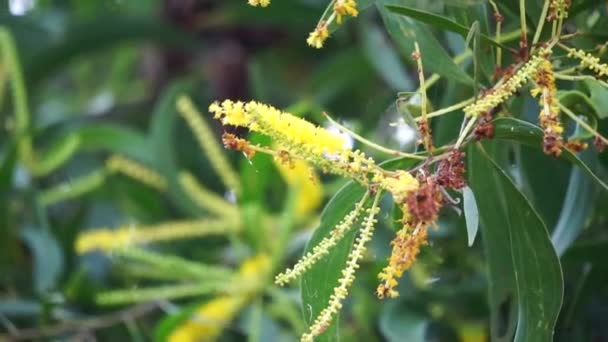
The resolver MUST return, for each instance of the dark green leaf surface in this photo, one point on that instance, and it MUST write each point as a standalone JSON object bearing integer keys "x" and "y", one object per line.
{"x": 525, "y": 277}
{"x": 439, "y": 22}
{"x": 526, "y": 133}
{"x": 405, "y": 32}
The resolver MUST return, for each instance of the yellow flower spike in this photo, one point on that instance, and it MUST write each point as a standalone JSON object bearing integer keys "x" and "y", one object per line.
{"x": 261, "y": 3}
{"x": 300, "y": 138}
{"x": 406, "y": 247}
{"x": 106, "y": 240}
{"x": 310, "y": 191}
{"x": 210, "y": 319}
{"x": 137, "y": 171}
{"x": 205, "y": 137}
{"x": 348, "y": 274}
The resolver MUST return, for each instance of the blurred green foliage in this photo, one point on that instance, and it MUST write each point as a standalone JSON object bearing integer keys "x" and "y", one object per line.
{"x": 90, "y": 80}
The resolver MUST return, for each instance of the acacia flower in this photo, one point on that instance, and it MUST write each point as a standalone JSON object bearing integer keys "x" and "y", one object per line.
{"x": 504, "y": 89}
{"x": 589, "y": 61}
{"x": 107, "y": 240}
{"x": 209, "y": 320}
{"x": 318, "y": 37}
{"x": 549, "y": 114}
{"x": 406, "y": 247}
{"x": 142, "y": 173}
{"x": 345, "y": 7}
{"x": 261, "y": 3}
{"x": 322, "y": 248}
{"x": 297, "y": 137}
{"x": 348, "y": 274}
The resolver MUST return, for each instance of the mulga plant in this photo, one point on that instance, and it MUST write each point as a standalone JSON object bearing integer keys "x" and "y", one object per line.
{"x": 421, "y": 191}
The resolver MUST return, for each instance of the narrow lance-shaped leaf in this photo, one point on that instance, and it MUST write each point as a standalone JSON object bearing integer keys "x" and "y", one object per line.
{"x": 524, "y": 273}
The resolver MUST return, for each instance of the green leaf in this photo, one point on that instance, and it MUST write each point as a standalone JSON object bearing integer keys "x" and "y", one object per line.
{"x": 162, "y": 146}
{"x": 578, "y": 205}
{"x": 318, "y": 283}
{"x": 115, "y": 139}
{"x": 398, "y": 322}
{"x": 405, "y": 32}
{"x": 383, "y": 57}
{"x": 528, "y": 134}
{"x": 60, "y": 152}
{"x": 440, "y": 22}
{"x": 581, "y": 104}
{"x": 524, "y": 273}
{"x": 598, "y": 96}
{"x": 471, "y": 214}
{"x": 47, "y": 257}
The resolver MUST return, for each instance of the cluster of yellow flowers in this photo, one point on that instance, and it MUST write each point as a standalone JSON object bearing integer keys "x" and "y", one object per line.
{"x": 340, "y": 8}
{"x": 335, "y": 13}
{"x": 406, "y": 247}
{"x": 261, "y": 3}
{"x": 549, "y": 115}
{"x": 301, "y": 140}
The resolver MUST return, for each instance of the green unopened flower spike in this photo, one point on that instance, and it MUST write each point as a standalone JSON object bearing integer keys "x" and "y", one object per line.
{"x": 504, "y": 90}
{"x": 589, "y": 61}
{"x": 326, "y": 316}
{"x": 322, "y": 248}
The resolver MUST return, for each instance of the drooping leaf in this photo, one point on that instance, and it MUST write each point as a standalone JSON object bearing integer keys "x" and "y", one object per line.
{"x": 404, "y": 32}
{"x": 598, "y": 96}
{"x": 439, "y": 22}
{"x": 524, "y": 273}
{"x": 383, "y": 57}
{"x": 318, "y": 283}
{"x": 578, "y": 205}
{"x": 526, "y": 133}
{"x": 471, "y": 214}
{"x": 47, "y": 257}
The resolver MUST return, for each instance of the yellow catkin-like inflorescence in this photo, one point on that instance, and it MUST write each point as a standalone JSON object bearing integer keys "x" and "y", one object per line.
{"x": 208, "y": 144}
{"x": 589, "y": 61}
{"x": 210, "y": 319}
{"x": 261, "y": 3}
{"x": 107, "y": 240}
{"x": 503, "y": 91}
{"x": 137, "y": 171}
{"x": 286, "y": 128}
{"x": 549, "y": 115}
{"x": 299, "y": 138}
{"x": 406, "y": 247}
